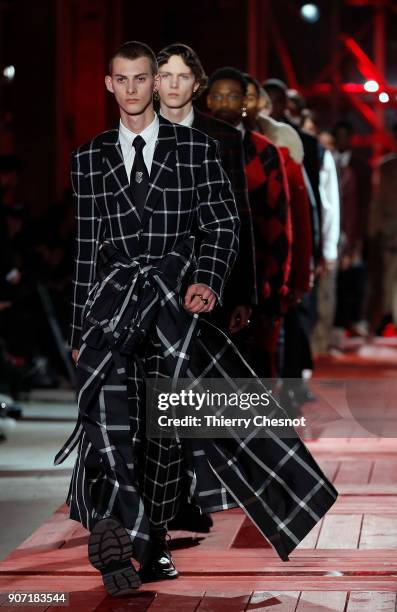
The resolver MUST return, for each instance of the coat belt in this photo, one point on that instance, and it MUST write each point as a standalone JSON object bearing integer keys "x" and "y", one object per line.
{"x": 130, "y": 300}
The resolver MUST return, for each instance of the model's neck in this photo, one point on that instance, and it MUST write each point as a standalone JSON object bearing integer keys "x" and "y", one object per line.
{"x": 176, "y": 115}
{"x": 137, "y": 123}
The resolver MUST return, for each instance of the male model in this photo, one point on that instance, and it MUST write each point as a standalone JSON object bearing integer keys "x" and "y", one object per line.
{"x": 156, "y": 237}
{"x": 139, "y": 191}
{"x": 182, "y": 80}
{"x": 269, "y": 201}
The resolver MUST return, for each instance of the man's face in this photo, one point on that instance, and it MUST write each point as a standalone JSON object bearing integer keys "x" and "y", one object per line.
{"x": 132, "y": 84}
{"x": 279, "y": 102}
{"x": 309, "y": 126}
{"x": 177, "y": 83}
{"x": 252, "y": 101}
{"x": 327, "y": 140}
{"x": 294, "y": 111}
{"x": 225, "y": 100}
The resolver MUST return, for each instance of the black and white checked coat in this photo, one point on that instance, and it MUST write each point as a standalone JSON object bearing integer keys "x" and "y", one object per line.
{"x": 135, "y": 327}
{"x": 188, "y": 192}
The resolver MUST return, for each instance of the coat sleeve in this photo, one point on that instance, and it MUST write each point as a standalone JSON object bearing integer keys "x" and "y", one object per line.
{"x": 243, "y": 274}
{"x": 301, "y": 228}
{"x": 277, "y": 229}
{"x": 218, "y": 224}
{"x": 87, "y": 240}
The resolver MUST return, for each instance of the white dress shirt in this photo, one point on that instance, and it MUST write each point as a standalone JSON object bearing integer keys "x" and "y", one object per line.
{"x": 342, "y": 159}
{"x": 187, "y": 121}
{"x": 126, "y": 138}
{"x": 329, "y": 192}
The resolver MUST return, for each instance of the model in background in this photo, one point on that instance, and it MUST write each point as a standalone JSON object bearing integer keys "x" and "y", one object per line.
{"x": 269, "y": 201}
{"x": 330, "y": 207}
{"x": 355, "y": 182}
{"x": 182, "y": 81}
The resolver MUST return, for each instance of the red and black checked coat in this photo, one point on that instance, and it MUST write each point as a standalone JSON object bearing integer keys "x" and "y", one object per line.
{"x": 269, "y": 201}
{"x": 302, "y": 242}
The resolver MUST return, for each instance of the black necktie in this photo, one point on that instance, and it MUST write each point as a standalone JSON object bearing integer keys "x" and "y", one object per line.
{"x": 139, "y": 179}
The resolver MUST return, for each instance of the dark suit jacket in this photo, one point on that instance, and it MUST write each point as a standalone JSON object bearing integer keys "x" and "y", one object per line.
{"x": 232, "y": 158}
{"x": 187, "y": 189}
{"x": 355, "y": 181}
{"x": 311, "y": 162}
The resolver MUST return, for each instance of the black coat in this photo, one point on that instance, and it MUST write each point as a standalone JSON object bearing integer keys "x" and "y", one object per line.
{"x": 232, "y": 157}
{"x": 188, "y": 191}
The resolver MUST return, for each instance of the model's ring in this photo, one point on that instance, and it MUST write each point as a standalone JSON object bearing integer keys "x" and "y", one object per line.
{"x": 204, "y": 300}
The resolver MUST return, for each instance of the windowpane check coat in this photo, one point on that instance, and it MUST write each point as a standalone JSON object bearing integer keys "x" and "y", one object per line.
{"x": 129, "y": 324}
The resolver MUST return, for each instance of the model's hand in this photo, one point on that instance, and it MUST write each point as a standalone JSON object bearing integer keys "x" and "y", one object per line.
{"x": 195, "y": 298}
{"x": 239, "y": 318}
{"x": 75, "y": 354}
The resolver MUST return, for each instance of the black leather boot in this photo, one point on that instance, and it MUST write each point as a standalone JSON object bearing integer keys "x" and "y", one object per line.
{"x": 160, "y": 565}
{"x": 110, "y": 551}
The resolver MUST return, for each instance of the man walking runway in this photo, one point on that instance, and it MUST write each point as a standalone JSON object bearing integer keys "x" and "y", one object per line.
{"x": 157, "y": 235}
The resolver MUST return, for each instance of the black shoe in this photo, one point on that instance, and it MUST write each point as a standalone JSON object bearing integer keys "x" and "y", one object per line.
{"x": 190, "y": 518}
{"x": 160, "y": 565}
{"x": 110, "y": 551}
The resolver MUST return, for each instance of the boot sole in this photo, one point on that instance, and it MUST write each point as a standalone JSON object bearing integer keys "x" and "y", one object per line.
{"x": 108, "y": 543}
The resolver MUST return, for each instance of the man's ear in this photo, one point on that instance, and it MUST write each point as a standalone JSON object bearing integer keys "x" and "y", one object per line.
{"x": 156, "y": 83}
{"x": 209, "y": 102}
{"x": 108, "y": 83}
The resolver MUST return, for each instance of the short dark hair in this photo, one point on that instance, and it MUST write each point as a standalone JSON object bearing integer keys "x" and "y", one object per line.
{"x": 275, "y": 85}
{"x": 132, "y": 50}
{"x": 190, "y": 58}
{"x": 297, "y": 99}
{"x": 343, "y": 125}
{"x": 231, "y": 74}
{"x": 307, "y": 113}
{"x": 254, "y": 82}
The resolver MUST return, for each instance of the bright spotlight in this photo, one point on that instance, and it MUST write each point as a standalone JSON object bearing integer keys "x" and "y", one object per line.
{"x": 371, "y": 86}
{"x": 9, "y": 72}
{"x": 384, "y": 97}
{"x": 310, "y": 12}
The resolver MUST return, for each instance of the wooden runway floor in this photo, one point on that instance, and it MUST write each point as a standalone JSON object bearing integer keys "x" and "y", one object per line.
{"x": 347, "y": 563}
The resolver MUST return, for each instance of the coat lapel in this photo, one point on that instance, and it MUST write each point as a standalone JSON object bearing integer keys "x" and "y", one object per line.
{"x": 114, "y": 172}
{"x": 162, "y": 173}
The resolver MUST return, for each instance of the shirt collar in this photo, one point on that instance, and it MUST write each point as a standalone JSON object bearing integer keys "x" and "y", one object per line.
{"x": 240, "y": 127}
{"x": 149, "y": 134}
{"x": 343, "y": 159}
{"x": 188, "y": 120}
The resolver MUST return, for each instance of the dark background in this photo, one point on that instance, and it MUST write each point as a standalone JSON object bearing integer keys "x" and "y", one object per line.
{"x": 60, "y": 50}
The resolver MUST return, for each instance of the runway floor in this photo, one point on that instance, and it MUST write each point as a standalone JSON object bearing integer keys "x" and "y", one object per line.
{"x": 347, "y": 563}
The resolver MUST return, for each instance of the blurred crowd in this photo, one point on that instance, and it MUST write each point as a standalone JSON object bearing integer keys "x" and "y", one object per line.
{"x": 320, "y": 236}
{"x": 35, "y": 285}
